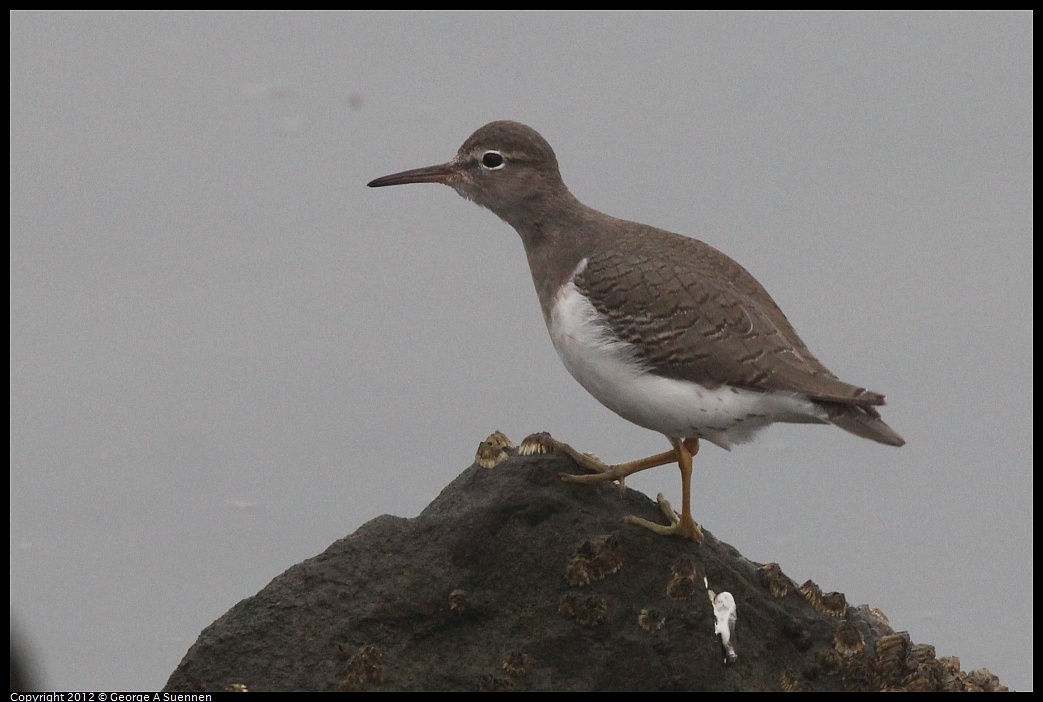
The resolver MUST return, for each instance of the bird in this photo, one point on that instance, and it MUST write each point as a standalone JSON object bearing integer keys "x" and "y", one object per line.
{"x": 663, "y": 329}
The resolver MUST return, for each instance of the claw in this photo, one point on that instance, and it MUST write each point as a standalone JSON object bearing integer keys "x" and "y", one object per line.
{"x": 599, "y": 472}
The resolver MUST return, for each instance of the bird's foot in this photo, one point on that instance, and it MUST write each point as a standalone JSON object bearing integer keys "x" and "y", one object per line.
{"x": 542, "y": 442}
{"x": 683, "y": 526}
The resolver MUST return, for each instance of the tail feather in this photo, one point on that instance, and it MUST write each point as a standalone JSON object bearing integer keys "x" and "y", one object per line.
{"x": 863, "y": 421}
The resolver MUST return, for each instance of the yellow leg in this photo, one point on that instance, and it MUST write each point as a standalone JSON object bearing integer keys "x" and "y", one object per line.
{"x": 682, "y": 453}
{"x": 685, "y": 526}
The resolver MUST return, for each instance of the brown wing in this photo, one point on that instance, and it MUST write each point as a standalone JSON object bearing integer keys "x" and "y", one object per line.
{"x": 695, "y": 314}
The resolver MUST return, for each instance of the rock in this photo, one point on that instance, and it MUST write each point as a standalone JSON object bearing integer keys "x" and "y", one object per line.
{"x": 513, "y": 580}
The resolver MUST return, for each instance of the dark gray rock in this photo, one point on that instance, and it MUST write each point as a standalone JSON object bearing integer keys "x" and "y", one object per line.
{"x": 514, "y": 580}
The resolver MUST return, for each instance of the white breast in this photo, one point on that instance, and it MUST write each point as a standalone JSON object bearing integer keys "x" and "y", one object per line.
{"x": 610, "y": 371}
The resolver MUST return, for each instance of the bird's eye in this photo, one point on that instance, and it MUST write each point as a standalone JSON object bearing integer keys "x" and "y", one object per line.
{"x": 493, "y": 160}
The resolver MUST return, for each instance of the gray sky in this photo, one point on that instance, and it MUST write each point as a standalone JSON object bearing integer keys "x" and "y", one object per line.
{"x": 227, "y": 352}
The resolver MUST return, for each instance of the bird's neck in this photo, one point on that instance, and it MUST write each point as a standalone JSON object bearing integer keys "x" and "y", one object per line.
{"x": 557, "y": 235}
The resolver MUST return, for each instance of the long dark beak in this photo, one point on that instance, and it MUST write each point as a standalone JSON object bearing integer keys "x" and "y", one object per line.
{"x": 431, "y": 174}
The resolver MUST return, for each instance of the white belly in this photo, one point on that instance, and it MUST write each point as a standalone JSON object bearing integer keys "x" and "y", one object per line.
{"x": 609, "y": 370}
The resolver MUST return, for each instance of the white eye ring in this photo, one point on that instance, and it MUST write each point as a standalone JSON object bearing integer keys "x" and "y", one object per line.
{"x": 493, "y": 160}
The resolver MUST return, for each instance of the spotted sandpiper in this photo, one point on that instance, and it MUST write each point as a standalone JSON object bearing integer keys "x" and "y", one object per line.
{"x": 664, "y": 330}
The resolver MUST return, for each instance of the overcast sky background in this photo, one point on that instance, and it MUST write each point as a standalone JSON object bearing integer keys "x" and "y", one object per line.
{"x": 227, "y": 352}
